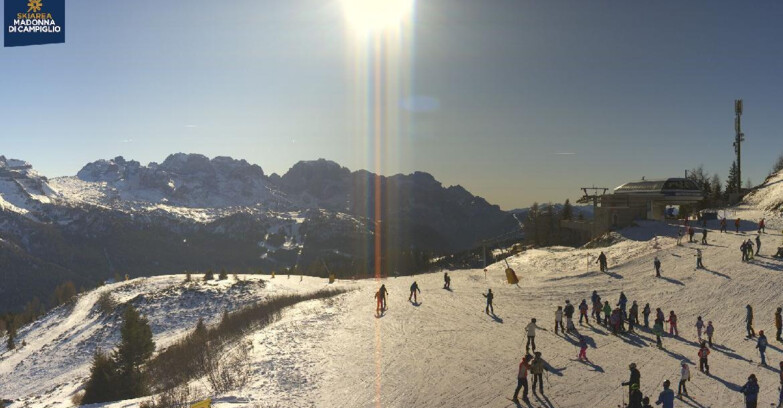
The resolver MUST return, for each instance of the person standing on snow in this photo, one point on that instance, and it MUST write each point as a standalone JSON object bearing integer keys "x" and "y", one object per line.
{"x": 559, "y": 319}
{"x": 761, "y": 226}
{"x": 530, "y": 330}
{"x": 583, "y": 312}
{"x": 679, "y": 237}
{"x": 646, "y": 313}
{"x": 690, "y": 234}
{"x": 749, "y": 249}
{"x": 761, "y": 344}
{"x": 582, "y": 348}
{"x": 607, "y": 313}
{"x": 751, "y": 392}
{"x": 737, "y": 225}
{"x": 635, "y": 399}
{"x": 685, "y": 375}
{"x": 673, "y": 324}
{"x": 704, "y": 236}
{"x": 666, "y": 397}
{"x": 569, "y": 314}
{"x": 414, "y": 289}
{"x": 749, "y": 322}
{"x": 633, "y": 316}
{"x": 622, "y": 302}
{"x": 379, "y": 302}
{"x": 758, "y": 244}
{"x": 723, "y": 224}
{"x": 537, "y": 367}
{"x": 744, "y": 249}
{"x": 699, "y": 265}
{"x": 704, "y": 352}
{"x": 602, "y": 261}
{"x": 659, "y": 315}
{"x": 709, "y": 331}
{"x": 657, "y": 264}
{"x": 384, "y": 293}
{"x": 778, "y": 324}
{"x": 634, "y": 379}
{"x": 597, "y": 310}
{"x": 446, "y": 281}
{"x": 699, "y": 327}
{"x": 524, "y": 367}
{"x": 658, "y": 332}
{"x": 489, "y": 295}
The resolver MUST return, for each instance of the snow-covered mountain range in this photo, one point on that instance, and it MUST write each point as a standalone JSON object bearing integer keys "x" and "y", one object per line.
{"x": 192, "y": 212}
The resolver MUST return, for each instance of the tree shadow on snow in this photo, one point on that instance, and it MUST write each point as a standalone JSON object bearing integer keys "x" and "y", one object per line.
{"x": 674, "y": 281}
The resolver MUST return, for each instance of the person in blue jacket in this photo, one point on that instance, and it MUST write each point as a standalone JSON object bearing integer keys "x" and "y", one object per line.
{"x": 761, "y": 344}
{"x": 666, "y": 397}
{"x": 751, "y": 392}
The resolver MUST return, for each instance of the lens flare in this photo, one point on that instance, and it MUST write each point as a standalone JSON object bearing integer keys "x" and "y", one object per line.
{"x": 376, "y": 15}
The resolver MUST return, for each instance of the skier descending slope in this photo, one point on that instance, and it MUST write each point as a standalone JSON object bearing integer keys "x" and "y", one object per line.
{"x": 530, "y": 330}
{"x": 703, "y": 353}
{"x": 749, "y": 322}
{"x": 685, "y": 375}
{"x": 524, "y": 367}
{"x": 699, "y": 327}
{"x": 751, "y": 391}
{"x": 602, "y": 262}
{"x": 634, "y": 379}
{"x": 699, "y": 265}
{"x": 489, "y": 297}
{"x": 414, "y": 289}
{"x": 761, "y": 345}
{"x": 666, "y": 397}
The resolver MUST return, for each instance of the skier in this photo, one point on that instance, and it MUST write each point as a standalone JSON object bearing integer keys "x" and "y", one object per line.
{"x": 659, "y": 315}
{"x": 709, "y": 331}
{"x": 446, "y": 281}
{"x": 646, "y": 402}
{"x": 737, "y": 225}
{"x": 690, "y": 234}
{"x": 635, "y": 399}
{"x": 761, "y": 344}
{"x": 751, "y": 391}
{"x": 384, "y": 294}
{"x": 379, "y": 302}
{"x": 530, "y": 329}
{"x": 414, "y": 289}
{"x": 703, "y": 353}
{"x": 679, "y": 236}
{"x": 658, "y": 332}
{"x": 569, "y": 314}
{"x": 758, "y": 244}
{"x": 583, "y": 312}
{"x": 704, "y": 236}
{"x": 646, "y": 314}
{"x": 744, "y": 249}
{"x": 635, "y": 378}
{"x": 699, "y": 265}
{"x": 723, "y": 224}
{"x": 607, "y": 313}
{"x": 597, "y": 310}
{"x": 749, "y": 322}
{"x": 699, "y": 327}
{"x": 685, "y": 375}
{"x": 657, "y": 264}
{"x": 559, "y": 319}
{"x": 602, "y": 261}
{"x": 673, "y": 324}
{"x": 537, "y": 367}
{"x": 616, "y": 319}
{"x": 633, "y": 316}
{"x": 761, "y": 226}
{"x": 778, "y": 324}
{"x": 582, "y": 348}
{"x": 489, "y": 295}
{"x": 780, "y": 397}
{"x": 622, "y": 302}
{"x": 524, "y": 366}
{"x": 666, "y": 397}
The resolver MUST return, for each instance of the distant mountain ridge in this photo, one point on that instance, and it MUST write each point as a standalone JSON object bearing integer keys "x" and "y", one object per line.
{"x": 192, "y": 212}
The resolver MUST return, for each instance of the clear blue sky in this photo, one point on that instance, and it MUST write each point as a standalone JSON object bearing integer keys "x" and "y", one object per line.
{"x": 631, "y": 89}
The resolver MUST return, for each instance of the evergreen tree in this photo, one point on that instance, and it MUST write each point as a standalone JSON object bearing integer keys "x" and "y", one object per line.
{"x": 531, "y": 224}
{"x": 223, "y": 274}
{"x": 568, "y": 211}
{"x": 715, "y": 190}
{"x": 103, "y": 384}
{"x": 10, "y": 344}
{"x": 731, "y": 181}
{"x": 778, "y": 165}
{"x": 209, "y": 275}
{"x": 136, "y": 347}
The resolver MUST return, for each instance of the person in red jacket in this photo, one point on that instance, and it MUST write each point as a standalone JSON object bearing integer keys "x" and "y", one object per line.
{"x": 524, "y": 366}
{"x": 673, "y": 324}
{"x": 704, "y": 366}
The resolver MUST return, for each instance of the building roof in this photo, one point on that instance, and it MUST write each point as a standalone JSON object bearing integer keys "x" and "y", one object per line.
{"x": 669, "y": 186}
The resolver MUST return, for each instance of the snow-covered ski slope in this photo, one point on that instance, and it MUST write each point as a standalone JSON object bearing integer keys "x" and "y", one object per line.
{"x": 446, "y": 351}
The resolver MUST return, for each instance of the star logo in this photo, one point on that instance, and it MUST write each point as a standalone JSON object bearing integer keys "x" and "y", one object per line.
{"x": 35, "y": 5}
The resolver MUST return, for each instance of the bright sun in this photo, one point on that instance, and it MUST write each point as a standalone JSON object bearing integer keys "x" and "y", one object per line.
{"x": 376, "y": 15}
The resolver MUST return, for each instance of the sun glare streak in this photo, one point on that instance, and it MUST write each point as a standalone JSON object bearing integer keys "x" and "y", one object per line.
{"x": 379, "y": 34}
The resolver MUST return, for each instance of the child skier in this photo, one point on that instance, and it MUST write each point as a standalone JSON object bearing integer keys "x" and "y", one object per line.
{"x": 530, "y": 330}
{"x": 524, "y": 366}
{"x": 673, "y": 324}
{"x": 685, "y": 375}
{"x": 633, "y": 316}
{"x": 658, "y": 332}
{"x": 582, "y": 348}
{"x": 751, "y": 391}
{"x": 607, "y": 313}
{"x": 583, "y": 312}
{"x": 699, "y": 265}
